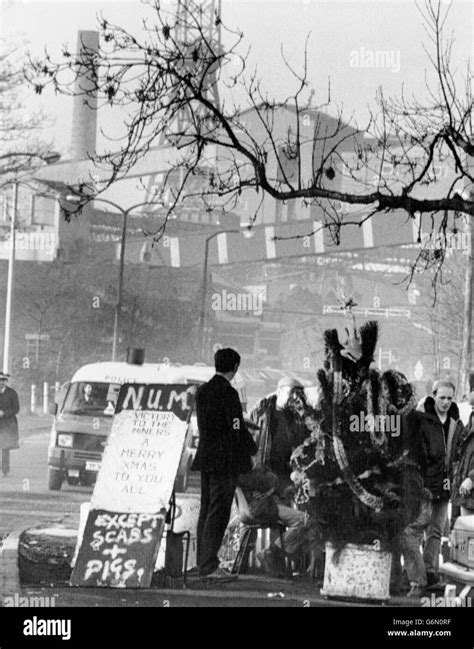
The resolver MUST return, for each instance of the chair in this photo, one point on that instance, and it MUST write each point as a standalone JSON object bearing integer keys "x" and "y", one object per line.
{"x": 251, "y": 526}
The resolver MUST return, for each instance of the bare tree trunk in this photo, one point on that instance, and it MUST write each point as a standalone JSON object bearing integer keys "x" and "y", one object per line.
{"x": 466, "y": 352}
{"x": 60, "y": 354}
{"x": 436, "y": 345}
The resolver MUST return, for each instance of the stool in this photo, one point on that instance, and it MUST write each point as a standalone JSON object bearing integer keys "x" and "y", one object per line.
{"x": 251, "y": 526}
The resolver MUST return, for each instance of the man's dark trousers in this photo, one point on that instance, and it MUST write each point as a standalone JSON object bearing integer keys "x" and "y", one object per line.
{"x": 217, "y": 493}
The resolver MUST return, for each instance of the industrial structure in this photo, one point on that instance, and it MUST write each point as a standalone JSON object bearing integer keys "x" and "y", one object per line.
{"x": 203, "y": 284}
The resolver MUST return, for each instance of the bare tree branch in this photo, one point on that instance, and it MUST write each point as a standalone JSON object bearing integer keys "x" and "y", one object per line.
{"x": 167, "y": 79}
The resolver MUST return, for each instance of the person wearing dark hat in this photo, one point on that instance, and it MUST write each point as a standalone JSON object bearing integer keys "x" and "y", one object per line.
{"x": 9, "y": 407}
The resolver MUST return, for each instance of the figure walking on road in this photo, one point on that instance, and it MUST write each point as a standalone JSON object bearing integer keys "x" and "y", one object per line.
{"x": 9, "y": 407}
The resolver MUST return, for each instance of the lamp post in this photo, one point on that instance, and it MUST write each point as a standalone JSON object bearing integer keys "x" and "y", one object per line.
{"x": 48, "y": 158}
{"x": 202, "y": 318}
{"x": 11, "y": 268}
{"x": 118, "y": 304}
{"x": 247, "y": 233}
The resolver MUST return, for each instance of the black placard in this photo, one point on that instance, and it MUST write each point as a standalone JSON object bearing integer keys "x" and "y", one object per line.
{"x": 118, "y": 550}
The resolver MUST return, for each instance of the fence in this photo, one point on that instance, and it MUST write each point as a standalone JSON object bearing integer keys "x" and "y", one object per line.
{"x": 42, "y": 397}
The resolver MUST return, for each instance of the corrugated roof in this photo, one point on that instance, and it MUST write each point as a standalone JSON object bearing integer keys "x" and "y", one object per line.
{"x": 74, "y": 172}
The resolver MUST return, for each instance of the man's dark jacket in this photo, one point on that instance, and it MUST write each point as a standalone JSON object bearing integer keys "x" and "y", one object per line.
{"x": 465, "y": 469}
{"x": 442, "y": 455}
{"x": 8, "y": 423}
{"x": 225, "y": 444}
{"x": 263, "y": 415}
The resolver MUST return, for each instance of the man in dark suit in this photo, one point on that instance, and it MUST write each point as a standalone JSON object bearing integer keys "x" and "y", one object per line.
{"x": 224, "y": 451}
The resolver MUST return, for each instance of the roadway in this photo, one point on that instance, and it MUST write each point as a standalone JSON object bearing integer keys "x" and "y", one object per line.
{"x": 24, "y": 496}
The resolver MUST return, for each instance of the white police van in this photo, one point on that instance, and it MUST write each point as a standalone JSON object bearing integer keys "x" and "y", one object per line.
{"x": 83, "y": 417}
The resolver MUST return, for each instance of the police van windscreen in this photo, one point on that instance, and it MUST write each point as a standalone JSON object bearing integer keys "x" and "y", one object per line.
{"x": 89, "y": 398}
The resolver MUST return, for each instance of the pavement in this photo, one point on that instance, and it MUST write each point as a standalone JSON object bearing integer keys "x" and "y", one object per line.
{"x": 249, "y": 590}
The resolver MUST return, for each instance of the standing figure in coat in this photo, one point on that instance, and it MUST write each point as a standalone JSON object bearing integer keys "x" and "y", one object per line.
{"x": 9, "y": 408}
{"x": 463, "y": 483}
{"x": 280, "y": 420}
{"x": 442, "y": 431}
{"x": 224, "y": 451}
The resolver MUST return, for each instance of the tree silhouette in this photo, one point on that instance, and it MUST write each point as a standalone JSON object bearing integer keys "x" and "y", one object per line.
{"x": 21, "y": 147}
{"x": 165, "y": 84}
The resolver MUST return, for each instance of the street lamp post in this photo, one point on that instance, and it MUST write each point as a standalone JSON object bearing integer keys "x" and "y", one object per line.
{"x": 202, "y": 317}
{"x": 50, "y": 158}
{"x": 11, "y": 267}
{"x": 118, "y": 304}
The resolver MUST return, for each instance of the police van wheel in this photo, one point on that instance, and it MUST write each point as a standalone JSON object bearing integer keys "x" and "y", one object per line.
{"x": 55, "y": 480}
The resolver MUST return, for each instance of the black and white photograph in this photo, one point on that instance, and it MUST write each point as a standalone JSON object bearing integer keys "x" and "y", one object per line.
{"x": 236, "y": 296}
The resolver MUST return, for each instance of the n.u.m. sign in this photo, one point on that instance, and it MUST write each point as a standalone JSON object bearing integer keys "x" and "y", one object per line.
{"x": 134, "y": 486}
{"x": 142, "y": 455}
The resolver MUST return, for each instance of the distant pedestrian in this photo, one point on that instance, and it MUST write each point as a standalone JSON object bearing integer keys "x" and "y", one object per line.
{"x": 224, "y": 451}
{"x": 9, "y": 407}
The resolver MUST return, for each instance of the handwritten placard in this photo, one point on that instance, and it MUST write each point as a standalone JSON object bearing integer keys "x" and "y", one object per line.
{"x": 144, "y": 448}
{"x": 118, "y": 550}
{"x": 125, "y": 523}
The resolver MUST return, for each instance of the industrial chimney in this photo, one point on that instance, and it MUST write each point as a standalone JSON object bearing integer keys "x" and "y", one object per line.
{"x": 84, "y": 113}
{"x": 135, "y": 356}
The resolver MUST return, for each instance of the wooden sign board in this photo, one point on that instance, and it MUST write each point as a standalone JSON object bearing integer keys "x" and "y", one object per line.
{"x": 134, "y": 486}
{"x": 118, "y": 550}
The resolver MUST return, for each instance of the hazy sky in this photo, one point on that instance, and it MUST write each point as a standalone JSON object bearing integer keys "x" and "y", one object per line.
{"x": 343, "y": 36}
